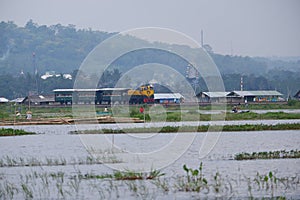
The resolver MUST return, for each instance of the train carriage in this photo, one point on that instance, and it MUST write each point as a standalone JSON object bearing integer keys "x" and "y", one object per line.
{"x": 144, "y": 94}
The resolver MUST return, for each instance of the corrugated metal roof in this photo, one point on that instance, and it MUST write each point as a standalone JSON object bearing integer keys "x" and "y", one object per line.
{"x": 90, "y": 90}
{"x": 3, "y": 100}
{"x": 18, "y": 100}
{"x": 113, "y": 89}
{"x": 76, "y": 90}
{"x": 41, "y": 98}
{"x": 167, "y": 96}
{"x": 297, "y": 94}
{"x": 215, "y": 94}
{"x": 255, "y": 93}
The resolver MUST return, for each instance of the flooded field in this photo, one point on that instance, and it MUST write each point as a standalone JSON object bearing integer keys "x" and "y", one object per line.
{"x": 56, "y": 164}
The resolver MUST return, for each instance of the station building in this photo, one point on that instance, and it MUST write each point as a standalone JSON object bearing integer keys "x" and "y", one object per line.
{"x": 240, "y": 96}
{"x": 297, "y": 95}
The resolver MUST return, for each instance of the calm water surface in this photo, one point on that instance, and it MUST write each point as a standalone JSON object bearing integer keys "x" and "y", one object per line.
{"x": 54, "y": 142}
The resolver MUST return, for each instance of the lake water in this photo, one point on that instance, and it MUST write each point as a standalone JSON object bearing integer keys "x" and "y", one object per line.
{"x": 167, "y": 152}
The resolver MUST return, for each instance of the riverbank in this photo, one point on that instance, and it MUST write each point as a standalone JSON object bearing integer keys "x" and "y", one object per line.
{"x": 151, "y": 117}
{"x": 257, "y": 111}
{"x": 60, "y": 121}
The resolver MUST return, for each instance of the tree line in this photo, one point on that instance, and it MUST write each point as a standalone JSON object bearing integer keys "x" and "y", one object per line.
{"x": 35, "y": 49}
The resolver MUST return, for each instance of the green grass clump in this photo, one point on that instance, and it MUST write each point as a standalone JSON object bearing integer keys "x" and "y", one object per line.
{"x": 14, "y": 132}
{"x": 194, "y": 181}
{"x": 268, "y": 155}
{"x": 125, "y": 175}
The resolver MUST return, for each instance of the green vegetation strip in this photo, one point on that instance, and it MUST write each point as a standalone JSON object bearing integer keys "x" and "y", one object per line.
{"x": 126, "y": 175}
{"x": 268, "y": 155}
{"x": 205, "y": 128}
{"x": 8, "y": 161}
{"x": 14, "y": 132}
{"x": 192, "y": 115}
{"x": 173, "y": 113}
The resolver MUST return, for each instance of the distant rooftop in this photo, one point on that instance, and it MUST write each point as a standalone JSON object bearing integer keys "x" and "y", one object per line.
{"x": 90, "y": 90}
{"x": 76, "y": 90}
{"x": 3, "y": 100}
{"x": 215, "y": 94}
{"x": 168, "y": 96}
{"x": 255, "y": 93}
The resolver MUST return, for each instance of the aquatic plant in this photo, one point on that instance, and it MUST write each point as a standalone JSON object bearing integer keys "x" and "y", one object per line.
{"x": 194, "y": 181}
{"x": 8, "y": 190}
{"x": 282, "y": 154}
{"x": 8, "y": 161}
{"x": 162, "y": 184}
{"x": 14, "y": 132}
{"x": 59, "y": 185}
{"x": 132, "y": 175}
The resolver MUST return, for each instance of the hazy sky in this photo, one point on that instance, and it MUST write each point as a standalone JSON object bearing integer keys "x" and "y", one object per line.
{"x": 241, "y": 27}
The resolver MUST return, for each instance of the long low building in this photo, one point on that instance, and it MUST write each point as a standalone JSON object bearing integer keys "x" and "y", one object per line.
{"x": 167, "y": 98}
{"x": 212, "y": 97}
{"x": 255, "y": 96}
{"x": 3, "y": 100}
{"x": 297, "y": 95}
{"x": 240, "y": 96}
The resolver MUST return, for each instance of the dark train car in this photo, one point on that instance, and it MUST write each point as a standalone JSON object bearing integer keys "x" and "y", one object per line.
{"x": 63, "y": 96}
{"x": 76, "y": 96}
{"x": 113, "y": 95}
{"x": 144, "y": 94}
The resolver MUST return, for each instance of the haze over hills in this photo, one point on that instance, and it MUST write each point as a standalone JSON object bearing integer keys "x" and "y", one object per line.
{"x": 40, "y": 48}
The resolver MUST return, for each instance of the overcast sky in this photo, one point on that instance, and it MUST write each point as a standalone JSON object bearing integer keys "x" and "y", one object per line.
{"x": 241, "y": 27}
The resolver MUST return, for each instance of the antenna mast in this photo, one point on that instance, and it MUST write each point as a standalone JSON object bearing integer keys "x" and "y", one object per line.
{"x": 202, "y": 38}
{"x": 242, "y": 83}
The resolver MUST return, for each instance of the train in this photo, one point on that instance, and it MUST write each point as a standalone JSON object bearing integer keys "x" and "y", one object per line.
{"x": 142, "y": 95}
{"x": 145, "y": 94}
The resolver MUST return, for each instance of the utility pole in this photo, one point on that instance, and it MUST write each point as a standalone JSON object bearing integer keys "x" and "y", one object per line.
{"x": 35, "y": 73}
{"x": 231, "y": 49}
{"x": 242, "y": 83}
{"x": 202, "y": 38}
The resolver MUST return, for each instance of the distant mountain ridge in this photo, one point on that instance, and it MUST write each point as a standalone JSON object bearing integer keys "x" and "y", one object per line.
{"x": 34, "y": 49}
{"x": 48, "y": 48}
{"x": 63, "y": 48}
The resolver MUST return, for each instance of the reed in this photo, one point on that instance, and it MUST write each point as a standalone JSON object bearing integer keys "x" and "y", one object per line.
{"x": 8, "y": 161}
{"x": 194, "y": 182}
{"x": 282, "y": 154}
{"x": 14, "y": 132}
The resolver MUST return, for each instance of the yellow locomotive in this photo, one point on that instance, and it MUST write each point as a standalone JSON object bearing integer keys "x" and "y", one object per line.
{"x": 145, "y": 94}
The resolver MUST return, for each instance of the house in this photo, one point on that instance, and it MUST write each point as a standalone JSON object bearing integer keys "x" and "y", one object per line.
{"x": 3, "y": 100}
{"x": 40, "y": 99}
{"x": 254, "y": 96}
{"x": 18, "y": 100}
{"x": 212, "y": 97}
{"x": 297, "y": 95}
{"x": 167, "y": 98}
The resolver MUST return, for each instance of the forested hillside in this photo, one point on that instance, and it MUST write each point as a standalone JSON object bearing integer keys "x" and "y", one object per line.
{"x": 35, "y": 49}
{"x": 59, "y": 48}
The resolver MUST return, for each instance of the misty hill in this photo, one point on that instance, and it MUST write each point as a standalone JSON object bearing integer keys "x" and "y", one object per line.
{"x": 56, "y": 48}
{"x": 63, "y": 48}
